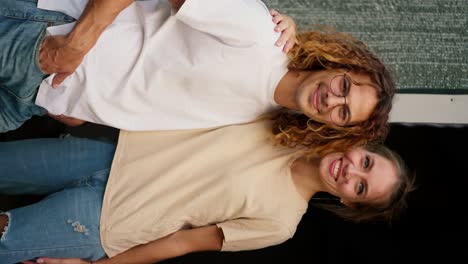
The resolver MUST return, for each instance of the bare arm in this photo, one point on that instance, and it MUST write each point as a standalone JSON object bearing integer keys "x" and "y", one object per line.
{"x": 176, "y": 4}
{"x": 97, "y": 15}
{"x": 63, "y": 54}
{"x": 69, "y": 121}
{"x": 209, "y": 238}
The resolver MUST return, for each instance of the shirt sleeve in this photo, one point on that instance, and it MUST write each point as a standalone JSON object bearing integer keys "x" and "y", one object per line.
{"x": 73, "y": 8}
{"x": 236, "y": 22}
{"x": 250, "y": 234}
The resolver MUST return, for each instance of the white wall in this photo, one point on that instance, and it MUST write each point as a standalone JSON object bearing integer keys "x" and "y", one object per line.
{"x": 430, "y": 108}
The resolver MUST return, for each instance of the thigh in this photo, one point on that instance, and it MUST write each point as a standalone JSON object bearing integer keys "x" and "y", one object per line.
{"x": 19, "y": 70}
{"x": 23, "y": 27}
{"x": 15, "y": 111}
{"x": 45, "y": 165}
{"x": 27, "y": 10}
{"x": 64, "y": 225}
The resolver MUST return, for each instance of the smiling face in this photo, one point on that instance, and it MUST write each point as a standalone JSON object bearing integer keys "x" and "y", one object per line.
{"x": 358, "y": 176}
{"x": 319, "y": 98}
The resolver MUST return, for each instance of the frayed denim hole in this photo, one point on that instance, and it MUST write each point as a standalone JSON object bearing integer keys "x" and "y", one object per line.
{"x": 7, "y": 225}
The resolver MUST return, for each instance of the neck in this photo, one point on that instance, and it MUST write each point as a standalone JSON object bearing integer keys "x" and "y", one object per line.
{"x": 305, "y": 174}
{"x": 286, "y": 90}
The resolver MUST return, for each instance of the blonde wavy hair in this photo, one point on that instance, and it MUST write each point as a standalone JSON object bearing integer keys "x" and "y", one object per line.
{"x": 327, "y": 49}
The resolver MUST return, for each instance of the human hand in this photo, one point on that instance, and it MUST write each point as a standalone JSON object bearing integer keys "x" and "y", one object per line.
{"x": 57, "y": 56}
{"x": 58, "y": 261}
{"x": 176, "y": 4}
{"x": 286, "y": 25}
{"x": 69, "y": 121}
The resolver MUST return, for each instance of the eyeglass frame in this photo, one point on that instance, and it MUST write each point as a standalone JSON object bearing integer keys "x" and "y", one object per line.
{"x": 344, "y": 95}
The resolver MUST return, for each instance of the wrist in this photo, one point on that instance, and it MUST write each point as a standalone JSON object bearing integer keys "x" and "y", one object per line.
{"x": 79, "y": 45}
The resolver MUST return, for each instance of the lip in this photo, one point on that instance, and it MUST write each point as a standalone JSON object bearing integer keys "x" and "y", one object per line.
{"x": 338, "y": 175}
{"x": 332, "y": 168}
{"x": 315, "y": 99}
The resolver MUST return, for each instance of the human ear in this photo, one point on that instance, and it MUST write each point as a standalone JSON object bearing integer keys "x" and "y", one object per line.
{"x": 346, "y": 202}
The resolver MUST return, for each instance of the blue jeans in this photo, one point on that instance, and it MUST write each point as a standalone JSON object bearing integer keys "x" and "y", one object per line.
{"x": 72, "y": 173}
{"x": 22, "y": 29}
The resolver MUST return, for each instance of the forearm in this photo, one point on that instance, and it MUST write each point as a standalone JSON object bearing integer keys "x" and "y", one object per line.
{"x": 97, "y": 15}
{"x": 180, "y": 243}
{"x": 152, "y": 252}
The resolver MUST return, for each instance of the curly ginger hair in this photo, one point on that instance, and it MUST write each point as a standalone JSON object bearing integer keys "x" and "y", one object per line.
{"x": 327, "y": 49}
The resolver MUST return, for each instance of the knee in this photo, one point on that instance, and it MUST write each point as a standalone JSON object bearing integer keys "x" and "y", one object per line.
{"x": 3, "y": 224}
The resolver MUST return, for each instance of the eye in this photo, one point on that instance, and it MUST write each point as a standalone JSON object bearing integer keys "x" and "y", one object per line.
{"x": 360, "y": 188}
{"x": 366, "y": 162}
{"x": 346, "y": 86}
{"x": 344, "y": 114}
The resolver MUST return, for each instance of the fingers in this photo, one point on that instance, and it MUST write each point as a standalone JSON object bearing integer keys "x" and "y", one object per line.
{"x": 44, "y": 57}
{"x": 288, "y": 46}
{"x": 282, "y": 39}
{"x": 276, "y": 17}
{"x": 61, "y": 261}
{"x": 47, "y": 56}
{"x": 59, "y": 78}
{"x": 287, "y": 27}
{"x": 49, "y": 261}
{"x": 274, "y": 12}
{"x": 288, "y": 33}
{"x": 282, "y": 25}
{"x": 56, "y": 57}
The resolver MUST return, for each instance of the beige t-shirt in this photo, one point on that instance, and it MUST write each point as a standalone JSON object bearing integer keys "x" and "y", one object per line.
{"x": 233, "y": 176}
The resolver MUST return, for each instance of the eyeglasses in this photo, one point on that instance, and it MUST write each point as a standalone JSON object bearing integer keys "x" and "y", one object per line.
{"x": 340, "y": 85}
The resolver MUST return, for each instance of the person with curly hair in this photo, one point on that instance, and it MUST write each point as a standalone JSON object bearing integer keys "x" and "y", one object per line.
{"x": 164, "y": 194}
{"x": 164, "y": 65}
{"x": 338, "y": 67}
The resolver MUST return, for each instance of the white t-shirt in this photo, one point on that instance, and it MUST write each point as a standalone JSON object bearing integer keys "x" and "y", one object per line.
{"x": 212, "y": 63}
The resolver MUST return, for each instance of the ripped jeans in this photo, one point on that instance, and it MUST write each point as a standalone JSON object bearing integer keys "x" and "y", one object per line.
{"x": 71, "y": 173}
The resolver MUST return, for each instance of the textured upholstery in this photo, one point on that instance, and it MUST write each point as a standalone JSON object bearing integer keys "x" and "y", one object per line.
{"x": 423, "y": 41}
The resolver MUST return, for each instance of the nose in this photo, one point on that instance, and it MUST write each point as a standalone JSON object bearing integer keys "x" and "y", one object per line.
{"x": 350, "y": 172}
{"x": 332, "y": 100}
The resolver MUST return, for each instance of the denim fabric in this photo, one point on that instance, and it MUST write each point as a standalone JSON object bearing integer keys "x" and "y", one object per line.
{"x": 45, "y": 165}
{"x": 73, "y": 172}
{"x": 22, "y": 29}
